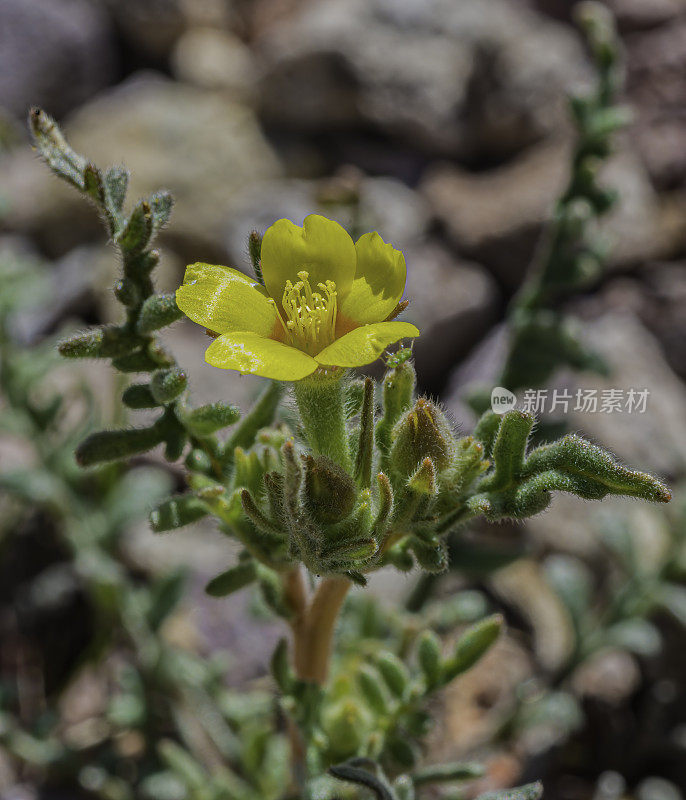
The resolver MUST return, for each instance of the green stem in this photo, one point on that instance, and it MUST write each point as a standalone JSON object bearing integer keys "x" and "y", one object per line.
{"x": 322, "y": 410}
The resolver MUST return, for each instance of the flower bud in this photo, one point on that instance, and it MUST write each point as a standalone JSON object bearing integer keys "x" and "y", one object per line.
{"x": 329, "y": 490}
{"x": 424, "y": 432}
{"x": 346, "y": 724}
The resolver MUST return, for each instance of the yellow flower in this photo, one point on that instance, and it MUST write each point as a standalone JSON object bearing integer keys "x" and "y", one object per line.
{"x": 325, "y": 303}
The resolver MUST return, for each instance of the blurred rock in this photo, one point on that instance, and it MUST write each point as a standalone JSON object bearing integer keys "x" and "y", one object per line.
{"x": 464, "y": 79}
{"x": 662, "y": 304}
{"x": 524, "y": 585}
{"x": 201, "y": 146}
{"x": 657, "y": 88}
{"x": 53, "y": 53}
{"x": 497, "y": 216}
{"x": 610, "y": 675}
{"x": 643, "y": 225}
{"x": 633, "y": 15}
{"x": 572, "y": 526}
{"x": 214, "y": 59}
{"x": 452, "y": 302}
{"x": 152, "y": 28}
{"x": 654, "y": 440}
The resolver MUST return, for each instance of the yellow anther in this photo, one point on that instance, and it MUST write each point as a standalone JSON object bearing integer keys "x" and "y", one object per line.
{"x": 310, "y": 317}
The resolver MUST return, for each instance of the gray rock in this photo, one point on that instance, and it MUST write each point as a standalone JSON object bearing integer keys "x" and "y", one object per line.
{"x": 53, "y": 53}
{"x": 467, "y": 79}
{"x": 497, "y": 217}
{"x": 654, "y": 440}
{"x": 657, "y": 89}
{"x": 198, "y": 144}
{"x": 661, "y": 307}
{"x": 635, "y": 15}
{"x": 215, "y": 59}
{"x": 152, "y": 27}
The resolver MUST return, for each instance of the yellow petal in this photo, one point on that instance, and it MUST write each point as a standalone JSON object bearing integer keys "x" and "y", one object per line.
{"x": 223, "y": 300}
{"x": 248, "y": 352}
{"x": 379, "y": 280}
{"x": 321, "y": 247}
{"x": 364, "y": 345}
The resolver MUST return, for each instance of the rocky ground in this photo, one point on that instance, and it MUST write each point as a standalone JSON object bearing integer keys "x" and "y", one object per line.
{"x": 440, "y": 123}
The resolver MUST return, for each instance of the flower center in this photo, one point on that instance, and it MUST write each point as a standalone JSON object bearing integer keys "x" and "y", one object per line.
{"x": 310, "y": 317}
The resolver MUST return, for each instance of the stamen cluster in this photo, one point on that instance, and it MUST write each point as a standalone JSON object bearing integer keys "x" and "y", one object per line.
{"x": 310, "y": 322}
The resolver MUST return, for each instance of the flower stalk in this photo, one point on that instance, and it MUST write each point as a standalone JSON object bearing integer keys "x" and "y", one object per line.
{"x": 321, "y": 404}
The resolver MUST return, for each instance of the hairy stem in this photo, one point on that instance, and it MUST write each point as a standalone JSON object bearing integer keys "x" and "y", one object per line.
{"x": 321, "y": 406}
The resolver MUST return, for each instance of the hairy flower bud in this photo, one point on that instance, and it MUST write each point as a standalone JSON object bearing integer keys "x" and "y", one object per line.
{"x": 424, "y": 432}
{"x": 329, "y": 490}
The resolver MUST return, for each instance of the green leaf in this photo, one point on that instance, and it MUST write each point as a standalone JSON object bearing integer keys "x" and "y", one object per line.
{"x": 520, "y": 487}
{"x": 191, "y": 772}
{"x": 208, "y": 419}
{"x": 261, "y": 415}
{"x": 105, "y": 342}
{"x": 93, "y": 184}
{"x": 116, "y": 445}
{"x": 138, "y": 361}
{"x": 281, "y": 668}
{"x": 116, "y": 184}
{"x": 443, "y": 773}
{"x": 394, "y": 673}
{"x": 472, "y": 646}
{"x": 429, "y": 657}
{"x": 358, "y": 771}
{"x": 165, "y": 595}
{"x": 232, "y": 580}
{"x": 573, "y": 583}
{"x": 673, "y": 599}
{"x": 160, "y": 203}
{"x": 530, "y": 791}
{"x": 158, "y": 311}
{"x": 177, "y": 512}
{"x": 138, "y": 395}
{"x": 372, "y": 689}
{"x": 137, "y": 231}
{"x": 167, "y": 384}
{"x": 401, "y": 751}
{"x": 53, "y": 147}
{"x": 508, "y": 450}
{"x": 365, "y": 444}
